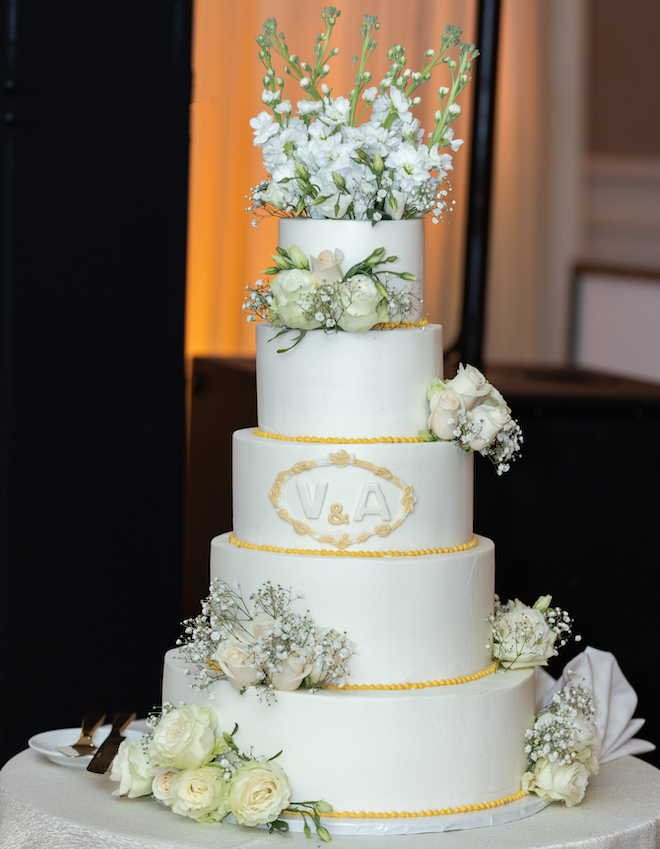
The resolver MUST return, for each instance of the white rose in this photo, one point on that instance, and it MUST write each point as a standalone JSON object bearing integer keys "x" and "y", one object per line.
{"x": 400, "y": 199}
{"x": 565, "y": 783}
{"x": 292, "y": 674}
{"x": 162, "y": 785}
{"x": 362, "y": 304}
{"x": 184, "y": 738}
{"x": 471, "y": 384}
{"x": 261, "y": 625}
{"x": 492, "y": 420}
{"x": 200, "y": 793}
{"x": 522, "y": 637}
{"x": 258, "y": 793}
{"x": 276, "y": 194}
{"x": 336, "y": 206}
{"x": 445, "y": 407}
{"x": 327, "y": 266}
{"x": 288, "y": 287}
{"x": 235, "y": 661}
{"x": 130, "y": 768}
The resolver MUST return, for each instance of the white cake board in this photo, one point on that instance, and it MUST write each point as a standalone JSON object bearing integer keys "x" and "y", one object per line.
{"x": 510, "y": 812}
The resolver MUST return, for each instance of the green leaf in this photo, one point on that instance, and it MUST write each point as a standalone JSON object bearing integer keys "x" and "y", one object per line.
{"x": 427, "y": 436}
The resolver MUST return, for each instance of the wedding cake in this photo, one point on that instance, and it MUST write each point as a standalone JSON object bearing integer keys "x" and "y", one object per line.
{"x": 336, "y": 495}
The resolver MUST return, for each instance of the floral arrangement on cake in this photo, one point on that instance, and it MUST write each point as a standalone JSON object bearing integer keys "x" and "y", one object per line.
{"x": 526, "y": 636}
{"x": 187, "y": 764}
{"x": 562, "y": 747}
{"x": 328, "y": 161}
{"x": 470, "y": 412}
{"x": 268, "y": 646}
{"x": 306, "y": 297}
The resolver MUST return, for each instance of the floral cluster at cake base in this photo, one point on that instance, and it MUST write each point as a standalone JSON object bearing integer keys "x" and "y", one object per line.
{"x": 187, "y": 764}
{"x": 562, "y": 747}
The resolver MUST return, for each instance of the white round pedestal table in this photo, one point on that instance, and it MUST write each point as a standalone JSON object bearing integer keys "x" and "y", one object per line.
{"x": 45, "y": 806}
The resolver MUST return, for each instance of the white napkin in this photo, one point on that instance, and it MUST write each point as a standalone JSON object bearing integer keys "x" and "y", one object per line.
{"x": 614, "y": 702}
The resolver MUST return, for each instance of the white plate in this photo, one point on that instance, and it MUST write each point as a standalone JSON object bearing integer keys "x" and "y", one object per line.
{"x": 46, "y": 742}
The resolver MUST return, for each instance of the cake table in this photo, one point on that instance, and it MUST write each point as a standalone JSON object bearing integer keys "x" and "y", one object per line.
{"x": 44, "y": 806}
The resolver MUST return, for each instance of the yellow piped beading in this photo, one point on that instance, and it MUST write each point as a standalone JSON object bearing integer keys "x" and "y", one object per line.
{"x": 391, "y": 325}
{"x": 325, "y": 552}
{"x": 463, "y": 809}
{"x": 336, "y": 440}
{"x": 445, "y": 682}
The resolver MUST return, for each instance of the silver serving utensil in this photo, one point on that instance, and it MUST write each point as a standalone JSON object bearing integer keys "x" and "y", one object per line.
{"x": 84, "y": 746}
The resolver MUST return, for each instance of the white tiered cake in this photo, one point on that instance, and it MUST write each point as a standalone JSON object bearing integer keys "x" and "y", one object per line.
{"x": 336, "y": 495}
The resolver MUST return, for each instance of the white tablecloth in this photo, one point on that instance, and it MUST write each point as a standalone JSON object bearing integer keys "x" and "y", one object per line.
{"x": 44, "y": 806}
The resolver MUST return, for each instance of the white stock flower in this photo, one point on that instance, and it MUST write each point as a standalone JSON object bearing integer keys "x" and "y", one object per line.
{"x": 162, "y": 785}
{"x": 291, "y": 675}
{"x": 369, "y": 94}
{"x": 199, "y": 793}
{"x": 563, "y": 783}
{"x": 470, "y": 384}
{"x": 235, "y": 661}
{"x": 309, "y": 107}
{"x": 522, "y": 637}
{"x": 184, "y": 738}
{"x": 258, "y": 793}
{"x": 264, "y": 126}
{"x": 327, "y": 266}
{"x": 336, "y": 111}
{"x": 492, "y": 420}
{"x": 130, "y": 767}
{"x": 363, "y": 305}
{"x": 288, "y": 289}
{"x": 445, "y": 407}
{"x": 408, "y": 167}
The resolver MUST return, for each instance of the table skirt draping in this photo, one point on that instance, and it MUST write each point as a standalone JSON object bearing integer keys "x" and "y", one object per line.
{"x": 44, "y": 806}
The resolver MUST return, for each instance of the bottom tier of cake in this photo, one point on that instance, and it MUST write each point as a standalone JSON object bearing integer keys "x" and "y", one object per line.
{"x": 372, "y": 751}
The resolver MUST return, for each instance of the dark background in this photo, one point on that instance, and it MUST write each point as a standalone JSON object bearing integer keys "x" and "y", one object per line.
{"x": 93, "y": 186}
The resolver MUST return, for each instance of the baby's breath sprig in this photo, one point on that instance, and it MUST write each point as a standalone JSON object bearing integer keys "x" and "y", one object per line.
{"x": 565, "y": 730}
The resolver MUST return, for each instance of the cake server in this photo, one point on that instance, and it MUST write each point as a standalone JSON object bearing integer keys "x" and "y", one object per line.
{"x": 84, "y": 746}
{"x": 108, "y": 748}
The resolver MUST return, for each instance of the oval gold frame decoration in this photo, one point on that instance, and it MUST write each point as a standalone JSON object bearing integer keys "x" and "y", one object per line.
{"x": 341, "y": 459}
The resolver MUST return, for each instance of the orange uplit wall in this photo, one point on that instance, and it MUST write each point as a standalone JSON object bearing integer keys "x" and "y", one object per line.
{"x": 225, "y": 252}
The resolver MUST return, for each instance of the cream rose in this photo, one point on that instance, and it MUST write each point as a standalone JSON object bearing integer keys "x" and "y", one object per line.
{"x": 235, "y": 661}
{"x": 292, "y": 674}
{"x": 470, "y": 384}
{"x": 522, "y": 637}
{"x": 261, "y": 624}
{"x": 362, "y": 304}
{"x": 130, "y": 768}
{"x": 258, "y": 793}
{"x": 276, "y": 194}
{"x": 327, "y": 266}
{"x": 492, "y": 420}
{"x": 336, "y": 206}
{"x": 565, "y": 783}
{"x": 287, "y": 288}
{"x": 200, "y": 793}
{"x": 445, "y": 407}
{"x": 161, "y": 787}
{"x": 184, "y": 738}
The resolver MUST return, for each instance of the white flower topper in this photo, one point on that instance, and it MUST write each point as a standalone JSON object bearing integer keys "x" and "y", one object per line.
{"x": 324, "y": 163}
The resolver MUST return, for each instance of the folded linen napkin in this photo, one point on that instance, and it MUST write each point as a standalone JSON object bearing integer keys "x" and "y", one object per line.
{"x": 614, "y": 702}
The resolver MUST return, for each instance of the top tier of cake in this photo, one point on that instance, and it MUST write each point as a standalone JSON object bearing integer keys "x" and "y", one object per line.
{"x": 350, "y": 385}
